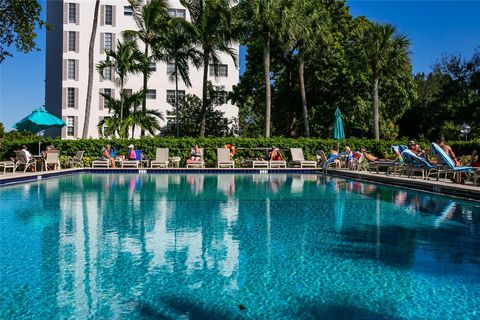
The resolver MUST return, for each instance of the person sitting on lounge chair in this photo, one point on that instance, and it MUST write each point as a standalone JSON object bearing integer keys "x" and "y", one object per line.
{"x": 275, "y": 155}
{"x": 107, "y": 155}
{"x": 448, "y": 150}
{"x": 196, "y": 153}
{"x": 334, "y": 154}
{"x": 131, "y": 155}
{"x": 475, "y": 152}
{"x": 348, "y": 156}
{"x": 415, "y": 148}
{"x": 28, "y": 155}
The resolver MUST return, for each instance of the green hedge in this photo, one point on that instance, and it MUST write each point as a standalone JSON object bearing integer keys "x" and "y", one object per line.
{"x": 181, "y": 147}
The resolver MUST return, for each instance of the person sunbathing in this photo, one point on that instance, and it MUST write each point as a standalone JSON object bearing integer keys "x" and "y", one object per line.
{"x": 275, "y": 155}
{"x": 107, "y": 155}
{"x": 448, "y": 150}
{"x": 370, "y": 157}
{"x": 196, "y": 153}
{"x": 334, "y": 154}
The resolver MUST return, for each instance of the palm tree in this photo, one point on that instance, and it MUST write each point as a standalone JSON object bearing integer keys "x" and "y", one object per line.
{"x": 213, "y": 28}
{"x": 304, "y": 25}
{"x": 260, "y": 18}
{"x": 381, "y": 49}
{"x": 151, "y": 20}
{"x": 126, "y": 115}
{"x": 125, "y": 60}
{"x": 91, "y": 47}
{"x": 178, "y": 46}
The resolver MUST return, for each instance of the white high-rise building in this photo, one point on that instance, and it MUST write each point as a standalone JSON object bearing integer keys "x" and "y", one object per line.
{"x": 67, "y": 65}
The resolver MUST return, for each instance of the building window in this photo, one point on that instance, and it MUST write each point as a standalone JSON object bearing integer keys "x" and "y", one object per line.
{"x": 221, "y": 70}
{"x": 72, "y": 40}
{"x": 107, "y": 73}
{"x": 221, "y": 97}
{"x": 70, "y": 126}
{"x": 71, "y": 97}
{"x": 170, "y": 68}
{"x": 72, "y": 13}
{"x": 171, "y": 96}
{"x": 105, "y": 127}
{"x": 107, "y": 41}
{"x": 106, "y": 92}
{"x": 109, "y": 15}
{"x": 128, "y": 92}
{"x": 178, "y": 13}
{"x": 71, "y": 69}
{"x": 152, "y": 67}
{"x": 127, "y": 11}
{"x": 151, "y": 94}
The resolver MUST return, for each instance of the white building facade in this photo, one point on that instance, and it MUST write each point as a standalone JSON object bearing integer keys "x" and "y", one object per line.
{"x": 67, "y": 65}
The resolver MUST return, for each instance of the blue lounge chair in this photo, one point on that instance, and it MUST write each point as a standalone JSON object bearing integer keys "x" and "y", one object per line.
{"x": 448, "y": 162}
{"x": 418, "y": 164}
{"x": 394, "y": 166}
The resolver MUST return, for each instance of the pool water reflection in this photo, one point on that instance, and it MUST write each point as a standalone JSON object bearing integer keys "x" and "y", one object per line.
{"x": 235, "y": 247}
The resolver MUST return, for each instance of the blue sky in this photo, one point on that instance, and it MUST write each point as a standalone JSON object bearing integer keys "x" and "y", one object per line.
{"x": 434, "y": 27}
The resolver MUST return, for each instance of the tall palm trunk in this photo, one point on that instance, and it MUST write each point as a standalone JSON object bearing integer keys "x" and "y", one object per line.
{"x": 376, "y": 116}
{"x": 268, "y": 96}
{"x": 176, "y": 99}
{"x": 145, "y": 86}
{"x": 301, "y": 67}
{"x": 203, "y": 119}
{"x": 91, "y": 47}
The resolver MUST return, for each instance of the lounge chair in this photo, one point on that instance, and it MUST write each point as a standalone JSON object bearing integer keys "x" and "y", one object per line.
{"x": 161, "y": 158}
{"x": 299, "y": 159}
{"x": 223, "y": 159}
{"x": 196, "y": 164}
{"x": 52, "y": 159}
{"x": 133, "y": 163}
{"x": 415, "y": 163}
{"x": 394, "y": 166}
{"x": 22, "y": 160}
{"x": 77, "y": 160}
{"x": 101, "y": 163}
{"x": 331, "y": 161}
{"x": 277, "y": 164}
{"x": 448, "y": 163}
{"x": 258, "y": 163}
{"x": 7, "y": 165}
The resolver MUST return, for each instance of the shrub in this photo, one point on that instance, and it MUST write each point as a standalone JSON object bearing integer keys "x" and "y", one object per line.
{"x": 246, "y": 147}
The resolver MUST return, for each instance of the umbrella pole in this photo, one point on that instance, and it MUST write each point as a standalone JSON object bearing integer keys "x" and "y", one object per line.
{"x": 39, "y": 144}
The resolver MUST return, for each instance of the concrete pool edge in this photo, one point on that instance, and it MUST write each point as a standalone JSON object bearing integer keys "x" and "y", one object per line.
{"x": 467, "y": 192}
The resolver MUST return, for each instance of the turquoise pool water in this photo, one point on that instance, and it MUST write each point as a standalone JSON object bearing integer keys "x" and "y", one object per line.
{"x": 105, "y": 246}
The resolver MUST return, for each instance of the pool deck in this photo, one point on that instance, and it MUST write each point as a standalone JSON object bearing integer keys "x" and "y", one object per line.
{"x": 466, "y": 191}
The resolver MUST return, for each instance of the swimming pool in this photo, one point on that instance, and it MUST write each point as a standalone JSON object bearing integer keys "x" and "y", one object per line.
{"x": 159, "y": 246}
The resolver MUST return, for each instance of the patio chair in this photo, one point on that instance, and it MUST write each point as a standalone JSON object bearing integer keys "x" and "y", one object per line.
{"x": 22, "y": 160}
{"x": 299, "y": 159}
{"x": 7, "y": 165}
{"x": 196, "y": 164}
{"x": 415, "y": 163}
{"x": 161, "y": 158}
{"x": 392, "y": 167}
{"x": 133, "y": 163}
{"x": 223, "y": 159}
{"x": 77, "y": 160}
{"x": 449, "y": 165}
{"x": 52, "y": 159}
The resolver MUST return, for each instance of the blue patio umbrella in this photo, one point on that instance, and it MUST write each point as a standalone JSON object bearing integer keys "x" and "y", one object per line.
{"x": 39, "y": 120}
{"x": 338, "y": 132}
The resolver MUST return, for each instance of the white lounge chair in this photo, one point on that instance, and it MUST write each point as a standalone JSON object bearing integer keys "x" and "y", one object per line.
{"x": 22, "y": 160}
{"x": 52, "y": 159}
{"x": 259, "y": 163}
{"x": 76, "y": 161}
{"x": 277, "y": 164}
{"x": 127, "y": 163}
{"x": 101, "y": 163}
{"x": 197, "y": 164}
{"x": 161, "y": 158}
{"x": 299, "y": 159}
{"x": 7, "y": 165}
{"x": 223, "y": 159}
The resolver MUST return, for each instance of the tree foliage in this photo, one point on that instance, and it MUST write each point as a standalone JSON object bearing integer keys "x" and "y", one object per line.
{"x": 18, "y": 20}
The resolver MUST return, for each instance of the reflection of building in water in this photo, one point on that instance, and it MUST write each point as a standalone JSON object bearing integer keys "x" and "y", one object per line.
{"x": 101, "y": 234}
